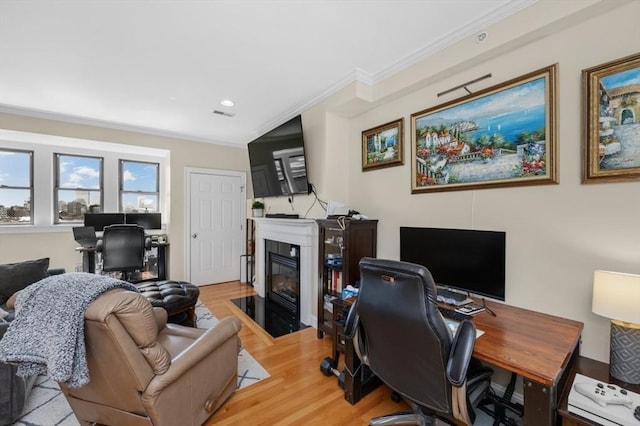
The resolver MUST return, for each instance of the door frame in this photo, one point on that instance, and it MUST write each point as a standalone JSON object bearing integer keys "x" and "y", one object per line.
{"x": 188, "y": 172}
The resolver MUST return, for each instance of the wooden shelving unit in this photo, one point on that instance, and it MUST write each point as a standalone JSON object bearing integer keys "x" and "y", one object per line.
{"x": 343, "y": 242}
{"x": 249, "y": 252}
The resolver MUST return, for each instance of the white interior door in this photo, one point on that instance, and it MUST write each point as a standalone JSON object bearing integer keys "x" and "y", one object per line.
{"x": 216, "y": 212}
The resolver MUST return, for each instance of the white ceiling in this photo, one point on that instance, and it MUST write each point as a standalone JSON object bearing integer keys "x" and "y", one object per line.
{"x": 163, "y": 66}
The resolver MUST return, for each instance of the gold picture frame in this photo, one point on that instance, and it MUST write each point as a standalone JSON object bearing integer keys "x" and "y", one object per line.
{"x": 501, "y": 136}
{"x": 383, "y": 146}
{"x": 611, "y": 121}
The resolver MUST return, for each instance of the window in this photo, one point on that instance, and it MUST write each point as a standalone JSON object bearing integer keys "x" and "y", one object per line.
{"x": 48, "y": 182}
{"x": 16, "y": 186}
{"x": 78, "y": 187}
{"x": 139, "y": 187}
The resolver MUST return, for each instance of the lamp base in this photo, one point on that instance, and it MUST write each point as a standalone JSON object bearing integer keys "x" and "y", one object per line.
{"x": 624, "y": 360}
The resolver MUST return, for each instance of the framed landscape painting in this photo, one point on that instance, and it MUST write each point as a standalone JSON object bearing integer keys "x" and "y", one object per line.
{"x": 611, "y": 140}
{"x": 382, "y": 146}
{"x": 504, "y": 135}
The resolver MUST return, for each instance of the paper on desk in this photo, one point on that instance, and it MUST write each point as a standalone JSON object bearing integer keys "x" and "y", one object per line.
{"x": 453, "y": 326}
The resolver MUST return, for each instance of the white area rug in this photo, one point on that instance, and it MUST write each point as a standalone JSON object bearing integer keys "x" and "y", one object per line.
{"x": 47, "y": 406}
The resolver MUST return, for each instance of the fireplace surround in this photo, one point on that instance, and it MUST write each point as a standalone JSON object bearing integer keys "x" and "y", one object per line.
{"x": 298, "y": 232}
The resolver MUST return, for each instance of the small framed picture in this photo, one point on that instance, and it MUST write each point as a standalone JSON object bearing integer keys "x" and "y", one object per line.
{"x": 611, "y": 114}
{"x": 382, "y": 146}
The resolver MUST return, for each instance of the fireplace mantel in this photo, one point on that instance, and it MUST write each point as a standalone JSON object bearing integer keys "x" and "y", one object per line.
{"x": 301, "y": 232}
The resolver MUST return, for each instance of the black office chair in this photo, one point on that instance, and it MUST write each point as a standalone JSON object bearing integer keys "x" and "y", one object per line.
{"x": 123, "y": 249}
{"x": 399, "y": 333}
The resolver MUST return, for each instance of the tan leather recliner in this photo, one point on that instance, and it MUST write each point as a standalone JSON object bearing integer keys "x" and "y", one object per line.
{"x": 144, "y": 371}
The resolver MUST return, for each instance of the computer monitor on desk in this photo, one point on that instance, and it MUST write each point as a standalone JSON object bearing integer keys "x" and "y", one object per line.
{"x": 100, "y": 220}
{"x": 149, "y": 221}
{"x": 471, "y": 261}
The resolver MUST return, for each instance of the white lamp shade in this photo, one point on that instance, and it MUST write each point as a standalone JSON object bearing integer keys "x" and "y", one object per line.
{"x": 616, "y": 296}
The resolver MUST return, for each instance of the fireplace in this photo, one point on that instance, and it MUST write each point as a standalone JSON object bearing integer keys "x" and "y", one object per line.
{"x": 302, "y": 233}
{"x": 279, "y": 310}
{"x": 283, "y": 276}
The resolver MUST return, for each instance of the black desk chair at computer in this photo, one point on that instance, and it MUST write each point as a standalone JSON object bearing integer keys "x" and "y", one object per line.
{"x": 123, "y": 249}
{"x": 401, "y": 336}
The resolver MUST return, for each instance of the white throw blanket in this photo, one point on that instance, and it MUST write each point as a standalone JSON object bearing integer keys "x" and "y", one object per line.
{"x": 47, "y": 334}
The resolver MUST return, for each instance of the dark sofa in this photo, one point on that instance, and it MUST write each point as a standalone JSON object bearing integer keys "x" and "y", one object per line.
{"x": 14, "y": 390}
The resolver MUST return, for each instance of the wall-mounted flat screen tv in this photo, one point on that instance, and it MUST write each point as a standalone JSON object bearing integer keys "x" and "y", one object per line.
{"x": 277, "y": 159}
{"x": 463, "y": 259}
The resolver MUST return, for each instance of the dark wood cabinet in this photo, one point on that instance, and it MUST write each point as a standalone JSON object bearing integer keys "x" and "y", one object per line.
{"x": 343, "y": 242}
{"x": 247, "y": 260}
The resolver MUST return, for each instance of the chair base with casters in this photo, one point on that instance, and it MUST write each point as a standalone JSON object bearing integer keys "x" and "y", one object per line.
{"x": 502, "y": 405}
{"x": 477, "y": 387}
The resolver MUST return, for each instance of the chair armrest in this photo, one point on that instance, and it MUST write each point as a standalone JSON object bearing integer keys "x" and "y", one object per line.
{"x": 56, "y": 271}
{"x": 460, "y": 353}
{"x": 161, "y": 317}
{"x": 213, "y": 338}
{"x": 351, "y": 324}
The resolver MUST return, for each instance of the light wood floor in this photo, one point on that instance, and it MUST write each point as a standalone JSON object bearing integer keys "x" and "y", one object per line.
{"x": 297, "y": 393}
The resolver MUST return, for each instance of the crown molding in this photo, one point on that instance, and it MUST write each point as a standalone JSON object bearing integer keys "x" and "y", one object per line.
{"x": 362, "y": 76}
{"x": 67, "y": 118}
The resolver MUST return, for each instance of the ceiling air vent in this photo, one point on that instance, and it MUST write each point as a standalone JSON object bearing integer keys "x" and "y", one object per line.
{"x": 226, "y": 114}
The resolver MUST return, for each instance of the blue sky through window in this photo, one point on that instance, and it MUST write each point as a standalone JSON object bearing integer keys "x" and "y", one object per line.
{"x": 79, "y": 172}
{"x": 138, "y": 176}
{"x": 15, "y": 170}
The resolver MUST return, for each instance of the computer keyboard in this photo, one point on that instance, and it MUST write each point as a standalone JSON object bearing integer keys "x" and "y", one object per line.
{"x": 453, "y": 314}
{"x": 444, "y": 295}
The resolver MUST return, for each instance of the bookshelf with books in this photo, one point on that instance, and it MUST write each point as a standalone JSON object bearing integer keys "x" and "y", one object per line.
{"x": 343, "y": 242}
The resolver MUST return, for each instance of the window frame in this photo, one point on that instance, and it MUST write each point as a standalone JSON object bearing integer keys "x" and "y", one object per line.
{"x": 30, "y": 187}
{"x": 57, "y": 188}
{"x": 122, "y": 191}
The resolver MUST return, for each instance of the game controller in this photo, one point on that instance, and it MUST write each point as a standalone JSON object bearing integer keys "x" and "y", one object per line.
{"x": 604, "y": 394}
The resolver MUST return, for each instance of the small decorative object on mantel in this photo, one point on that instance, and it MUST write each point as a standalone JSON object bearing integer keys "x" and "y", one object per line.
{"x": 382, "y": 146}
{"x": 258, "y": 208}
{"x": 504, "y": 135}
{"x": 611, "y": 114}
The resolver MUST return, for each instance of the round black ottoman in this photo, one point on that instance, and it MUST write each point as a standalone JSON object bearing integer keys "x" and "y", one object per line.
{"x": 178, "y": 298}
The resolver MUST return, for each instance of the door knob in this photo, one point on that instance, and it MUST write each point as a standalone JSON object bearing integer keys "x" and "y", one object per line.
{"x": 194, "y": 235}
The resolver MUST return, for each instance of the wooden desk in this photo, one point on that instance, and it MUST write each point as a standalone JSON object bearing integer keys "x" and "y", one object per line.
{"x": 596, "y": 370}
{"x": 89, "y": 259}
{"x": 541, "y": 348}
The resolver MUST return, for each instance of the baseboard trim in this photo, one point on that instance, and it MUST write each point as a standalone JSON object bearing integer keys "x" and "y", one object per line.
{"x": 499, "y": 390}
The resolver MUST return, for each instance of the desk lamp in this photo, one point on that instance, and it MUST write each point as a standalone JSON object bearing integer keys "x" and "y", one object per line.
{"x": 617, "y": 296}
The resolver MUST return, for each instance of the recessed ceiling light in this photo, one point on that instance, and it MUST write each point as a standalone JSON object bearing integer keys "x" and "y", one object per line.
{"x": 227, "y": 102}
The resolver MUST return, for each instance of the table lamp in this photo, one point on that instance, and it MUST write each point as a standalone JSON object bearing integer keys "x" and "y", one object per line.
{"x": 617, "y": 296}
